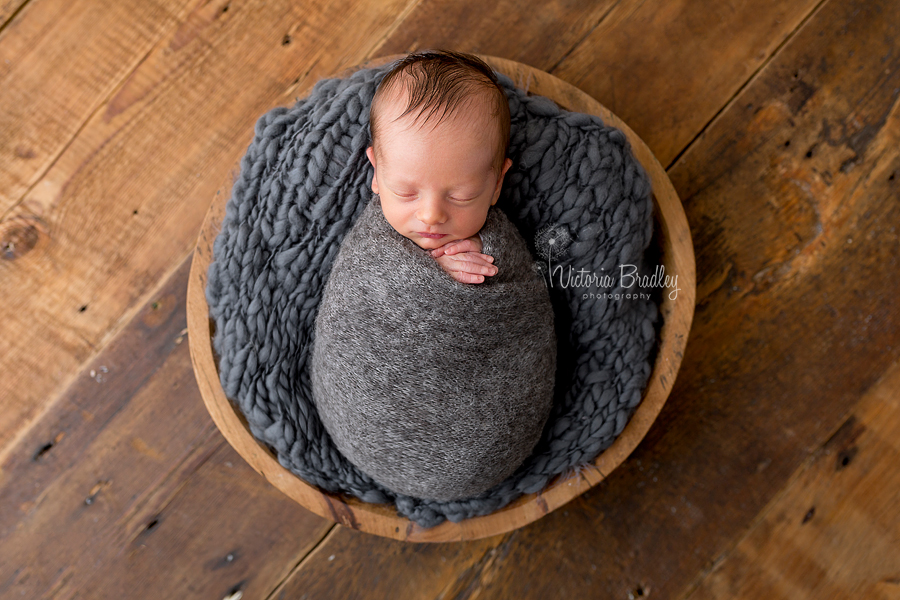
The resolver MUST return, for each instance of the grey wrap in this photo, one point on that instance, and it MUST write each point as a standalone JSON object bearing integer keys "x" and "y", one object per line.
{"x": 437, "y": 389}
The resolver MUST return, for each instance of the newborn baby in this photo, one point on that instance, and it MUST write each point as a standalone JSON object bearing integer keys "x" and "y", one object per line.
{"x": 434, "y": 355}
{"x": 440, "y": 157}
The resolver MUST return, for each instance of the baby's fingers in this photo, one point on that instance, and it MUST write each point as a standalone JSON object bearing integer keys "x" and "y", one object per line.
{"x": 484, "y": 257}
{"x": 467, "y": 268}
{"x": 472, "y": 257}
{"x": 459, "y": 246}
{"x": 467, "y": 277}
{"x": 468, "y": 263}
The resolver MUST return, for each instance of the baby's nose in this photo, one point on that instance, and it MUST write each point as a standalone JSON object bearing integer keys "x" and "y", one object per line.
{"x": 431, "y": 212}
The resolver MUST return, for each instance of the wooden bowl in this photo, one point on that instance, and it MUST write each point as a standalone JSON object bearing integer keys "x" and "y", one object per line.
{"x": 676, "y": 253}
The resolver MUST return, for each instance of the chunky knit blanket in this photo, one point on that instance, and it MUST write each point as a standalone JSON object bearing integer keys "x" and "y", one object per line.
{"x": 575, "y": 192}
{"x": 435, "y": 388}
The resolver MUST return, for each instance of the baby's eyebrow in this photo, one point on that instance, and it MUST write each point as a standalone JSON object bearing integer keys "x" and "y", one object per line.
{"x": 402, "y": 182}
{"x": 404, "y": 187}
{"x": 399, "y": 183}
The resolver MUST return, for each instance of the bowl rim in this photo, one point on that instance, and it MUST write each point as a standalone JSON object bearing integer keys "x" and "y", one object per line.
{"x": 677, "y": 254}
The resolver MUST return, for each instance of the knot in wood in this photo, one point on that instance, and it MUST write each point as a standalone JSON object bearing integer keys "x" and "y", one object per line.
{"x": 18, "y": 236}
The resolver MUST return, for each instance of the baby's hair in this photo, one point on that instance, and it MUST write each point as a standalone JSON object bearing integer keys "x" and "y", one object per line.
{"x": 440, "y": 82}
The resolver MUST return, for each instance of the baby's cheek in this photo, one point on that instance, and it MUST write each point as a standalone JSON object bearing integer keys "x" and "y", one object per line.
{"x": 475, "y": 224}
{"x": 394, "y": 219}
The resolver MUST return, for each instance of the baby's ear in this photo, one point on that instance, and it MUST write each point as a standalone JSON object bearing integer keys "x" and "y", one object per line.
{"x": 506, "y": 165}
{"x": 370, "y": 152}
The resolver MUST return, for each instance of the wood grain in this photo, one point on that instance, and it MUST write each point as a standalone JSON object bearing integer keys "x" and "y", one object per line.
{"x": 8, "y": 8}
{"x": 834, "y": 531}
{"x": 676, "y": 254}
{"x": 121, "y": 205}
{"x": 51, "y": 86}
{"x": 667, "y": 68}
{"x": 389, "y": 569}
{"x": 127, "y": 474}
{"x": 539, "y": 38}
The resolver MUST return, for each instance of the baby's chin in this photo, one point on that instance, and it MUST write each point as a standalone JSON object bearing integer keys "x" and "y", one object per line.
{"x": 430, "y": 243}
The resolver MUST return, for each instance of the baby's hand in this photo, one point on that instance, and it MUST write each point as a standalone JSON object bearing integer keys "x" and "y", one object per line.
{"x": 463, "y": 260}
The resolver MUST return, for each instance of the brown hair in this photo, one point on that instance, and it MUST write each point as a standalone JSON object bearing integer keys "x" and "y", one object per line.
{"x": 440, "y": 81}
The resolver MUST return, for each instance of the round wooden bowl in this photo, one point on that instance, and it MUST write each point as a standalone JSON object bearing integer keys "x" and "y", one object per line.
{"x": 673, "y": 239}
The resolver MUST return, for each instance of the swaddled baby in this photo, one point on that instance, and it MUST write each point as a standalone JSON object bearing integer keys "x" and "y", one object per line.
{"x": 434, "y": 352}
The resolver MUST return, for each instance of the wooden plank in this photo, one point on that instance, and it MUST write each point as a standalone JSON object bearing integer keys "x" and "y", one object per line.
{"x": 351, "y": 564}
{"x": 130, "y": 466}
{"x": 667, "y": 68}
{"x": 123, "y": 204}
{"x": 776, "y": 360}
{"x": 51, "y": 85}
{"x": 8, "y": 9}
{"x": 834, "y": 532}
{"x": 539, "y": 38}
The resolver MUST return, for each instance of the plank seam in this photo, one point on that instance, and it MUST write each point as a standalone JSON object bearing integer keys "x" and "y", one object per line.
{"x": 326, "y": 537}
{"x": 566, "y": 54}
{"x": 12, "y": 18}
{"x": 805, "y": 465}
{"x": 705, "y": 573}
{"x": 198, "y": 450}
{"x": 101, "y": 105}
{"x": 401, "y": 18}
{"x": 486, "y": 564}
{"x": 750, "y": 81}
{"x": 118, "y": 327}
{"x": 301, "y": 83}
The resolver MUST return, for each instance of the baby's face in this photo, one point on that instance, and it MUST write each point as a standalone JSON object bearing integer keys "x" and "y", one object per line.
{"x": 436, "y": 183}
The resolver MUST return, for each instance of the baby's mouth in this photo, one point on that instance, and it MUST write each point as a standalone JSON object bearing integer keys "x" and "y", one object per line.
{"x": 431, "y": 236}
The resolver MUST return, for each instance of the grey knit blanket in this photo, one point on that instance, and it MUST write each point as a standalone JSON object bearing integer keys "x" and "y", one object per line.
{"x": 576, "y": 194}
{"x": 436, "y": 389}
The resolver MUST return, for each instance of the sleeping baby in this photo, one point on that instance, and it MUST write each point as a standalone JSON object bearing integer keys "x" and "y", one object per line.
{"x": 434, "y": 350}
{"x": 440, "y": 158}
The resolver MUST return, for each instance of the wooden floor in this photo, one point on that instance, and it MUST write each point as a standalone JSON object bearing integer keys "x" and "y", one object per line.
{"x": 772, "y": 472}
